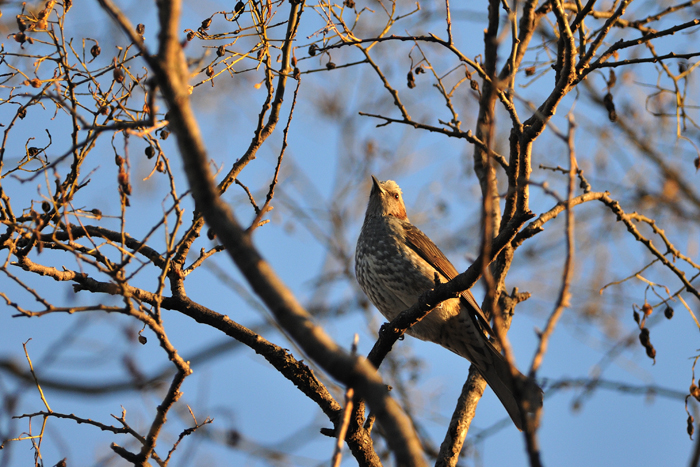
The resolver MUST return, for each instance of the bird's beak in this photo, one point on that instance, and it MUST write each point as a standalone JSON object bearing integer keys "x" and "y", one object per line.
{"x": 375, "y": 185}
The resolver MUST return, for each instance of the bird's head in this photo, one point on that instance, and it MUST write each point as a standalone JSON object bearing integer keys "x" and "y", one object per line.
{"x": 385, "y": 200}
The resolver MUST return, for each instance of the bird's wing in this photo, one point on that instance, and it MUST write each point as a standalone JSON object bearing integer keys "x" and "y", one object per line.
{"x": 426, "y": 249}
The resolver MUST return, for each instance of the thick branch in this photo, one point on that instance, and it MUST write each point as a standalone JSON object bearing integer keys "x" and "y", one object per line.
{"x": 279, "y": 299}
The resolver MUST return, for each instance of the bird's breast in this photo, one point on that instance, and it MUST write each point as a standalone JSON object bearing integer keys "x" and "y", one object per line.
{"x": 390, "y": 273}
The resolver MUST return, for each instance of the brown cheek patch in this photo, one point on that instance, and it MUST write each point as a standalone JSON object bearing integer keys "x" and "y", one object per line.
{"x": 401, "y": 212}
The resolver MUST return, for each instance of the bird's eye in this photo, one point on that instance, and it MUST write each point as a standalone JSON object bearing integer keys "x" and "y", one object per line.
{"x": 396, "y": 196}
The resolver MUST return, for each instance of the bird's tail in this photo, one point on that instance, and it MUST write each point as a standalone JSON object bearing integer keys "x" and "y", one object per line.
{"x": 464, "y": 334}
{"x": 499, "y": 377}
{"x": 476, "y": 348}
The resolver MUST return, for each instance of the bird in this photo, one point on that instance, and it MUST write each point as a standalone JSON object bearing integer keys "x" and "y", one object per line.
{"x": 395, "y": 263}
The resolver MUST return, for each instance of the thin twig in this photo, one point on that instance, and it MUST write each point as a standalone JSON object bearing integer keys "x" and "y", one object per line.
{"x": 36, "y": 381}
{"x": 564, "y": 296}
{"x": 342, "y": 427}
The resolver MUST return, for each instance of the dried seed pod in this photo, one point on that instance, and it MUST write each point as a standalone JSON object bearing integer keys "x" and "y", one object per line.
{"x": 610, "y": 107}
{"x": 142, "y": 339}
{"x": 118, "y": 74}
{"x": 45, "y": 206}
{"x": 42, "y": 22}
{"x": 209, "y": 71}
{"x": 694, "y": 391}
{"x": 691, "y": 427}
{"x": 150, "y": 152}
{"x": 330, "y": 65}
{"x": 636, "y": 316}
{"x": 410, "y": 80}
{"x": 119, "y": 160}
{"x": 41, "y": 16}
{"x": 95, "y": 50}
{"x": 474, "y": 84}
{"x": 313, "y": 48}
{"x": 190, "y": 35}
{"x": 647, "y": 309}
{"x": 210, "y": 234}
{"x": 651, "y": 352}
{"x": 220, "y": 51}
{"x": 668, "y": 312}
{"x": 164, "y": 134}
{"x": 644, "y": 337}
{"x": 529, "y": 71}
{"x": 21, "y": 25}
{"x": 240, "y": 6}
{"x": 140, "y": 29}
